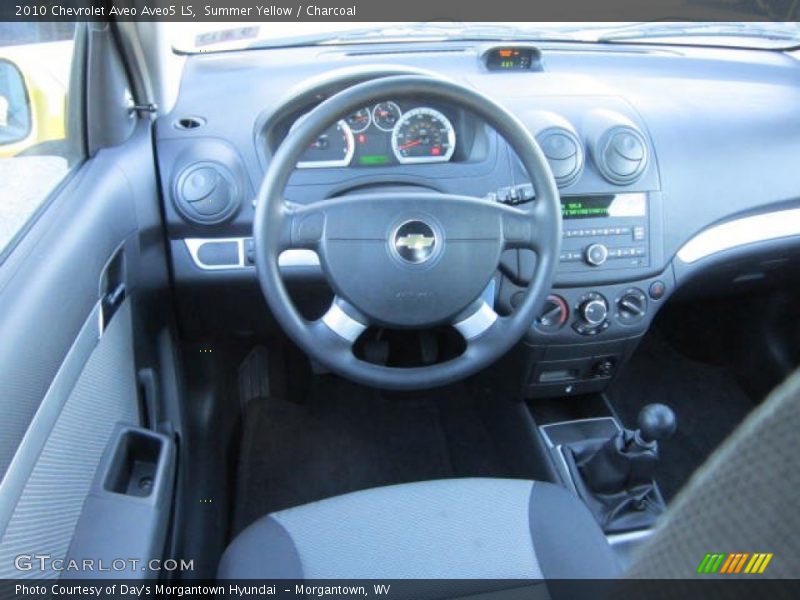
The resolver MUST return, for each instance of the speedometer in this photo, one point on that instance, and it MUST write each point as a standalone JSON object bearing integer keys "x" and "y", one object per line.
{"x": 423, "y": 135}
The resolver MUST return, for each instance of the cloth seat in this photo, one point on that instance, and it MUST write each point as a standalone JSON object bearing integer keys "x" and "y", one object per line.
{"x": 452, "y": 529}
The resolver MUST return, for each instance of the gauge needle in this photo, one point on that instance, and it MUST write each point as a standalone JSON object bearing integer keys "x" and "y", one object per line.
{"x": 408, "y": 145}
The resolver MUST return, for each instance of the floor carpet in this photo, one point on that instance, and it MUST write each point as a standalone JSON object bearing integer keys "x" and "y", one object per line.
{"x": 343, "y": 437}
{"x": 706, "y": 399}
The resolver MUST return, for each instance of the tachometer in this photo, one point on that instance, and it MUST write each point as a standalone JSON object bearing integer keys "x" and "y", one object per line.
{"x": 385, "y": 115}
{"x": 359, "y": 120}
{"x": 333, "y": 148}
{"x": 423, "y": 135}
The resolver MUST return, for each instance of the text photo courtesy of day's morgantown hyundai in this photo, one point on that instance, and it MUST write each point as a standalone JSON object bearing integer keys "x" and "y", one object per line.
{"x": 405, "y": 300}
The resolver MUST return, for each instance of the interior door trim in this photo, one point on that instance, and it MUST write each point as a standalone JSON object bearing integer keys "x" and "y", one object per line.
{"x": 24, "y": 460}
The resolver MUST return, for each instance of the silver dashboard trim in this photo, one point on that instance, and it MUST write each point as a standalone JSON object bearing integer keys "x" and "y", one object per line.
{"x": 740, "y": 232}
{"x": 296, "y": 257}
{"x": 194, "y": 245}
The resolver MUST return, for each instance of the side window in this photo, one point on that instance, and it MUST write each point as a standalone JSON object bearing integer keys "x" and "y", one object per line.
{"x": 40, "y": 138}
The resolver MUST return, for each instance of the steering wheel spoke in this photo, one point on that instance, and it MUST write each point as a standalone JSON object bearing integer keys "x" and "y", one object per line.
{"x": 478, "y": 320}
{"x": 299, "y": 227}
{"x": 520, "y": 229}
{"x": 339, "y": 320}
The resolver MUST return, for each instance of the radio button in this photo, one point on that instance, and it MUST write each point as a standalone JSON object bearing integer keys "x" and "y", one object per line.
{"x": 596, "y": 254}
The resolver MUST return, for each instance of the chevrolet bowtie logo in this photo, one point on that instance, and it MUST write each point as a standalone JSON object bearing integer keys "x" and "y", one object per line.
{"x": 415, "y": 241}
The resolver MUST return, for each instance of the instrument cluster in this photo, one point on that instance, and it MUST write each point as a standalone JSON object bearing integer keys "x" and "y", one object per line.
{"x": 387, "y": 133}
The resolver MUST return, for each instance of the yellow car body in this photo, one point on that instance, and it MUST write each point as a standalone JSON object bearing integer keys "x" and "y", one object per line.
{"x": 45, "y": 70}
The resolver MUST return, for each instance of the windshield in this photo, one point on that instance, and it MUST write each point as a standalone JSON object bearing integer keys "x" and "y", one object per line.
{"x": 213, "y": 37}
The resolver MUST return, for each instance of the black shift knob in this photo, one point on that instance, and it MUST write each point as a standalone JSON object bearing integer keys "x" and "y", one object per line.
{"x": 656, "y": 422}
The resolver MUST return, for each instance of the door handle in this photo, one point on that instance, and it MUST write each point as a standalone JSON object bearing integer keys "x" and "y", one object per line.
{"x": 112, "y": 288}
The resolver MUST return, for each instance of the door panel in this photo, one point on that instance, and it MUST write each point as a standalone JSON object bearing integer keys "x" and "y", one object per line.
{"x": 49, "y": 286}
{"x": 67, "y": 378}
{"x": 46, "y": 513}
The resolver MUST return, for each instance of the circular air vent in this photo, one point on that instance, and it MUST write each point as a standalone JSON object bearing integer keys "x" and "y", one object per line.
{"x": 206, "y": 192}
{"x": 564, "y": 153}
{"x": 621, "y": 155}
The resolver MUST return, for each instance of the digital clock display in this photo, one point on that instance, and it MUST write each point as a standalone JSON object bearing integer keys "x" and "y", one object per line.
{"x": 509, "y": 59}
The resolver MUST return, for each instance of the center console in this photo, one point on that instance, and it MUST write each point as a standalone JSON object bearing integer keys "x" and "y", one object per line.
{"x": 607, "y": 290}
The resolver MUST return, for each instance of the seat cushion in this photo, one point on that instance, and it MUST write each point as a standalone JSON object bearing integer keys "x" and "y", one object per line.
{"x": 453, "y": 528}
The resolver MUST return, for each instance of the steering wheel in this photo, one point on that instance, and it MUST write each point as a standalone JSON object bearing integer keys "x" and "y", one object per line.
{"x": 406, "y": 260}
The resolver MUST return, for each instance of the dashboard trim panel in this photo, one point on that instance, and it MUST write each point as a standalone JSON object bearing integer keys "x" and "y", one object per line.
{"x": 296, "y": 257}
{"x": 194, "y": 245}
{"x": 740, "y": 232}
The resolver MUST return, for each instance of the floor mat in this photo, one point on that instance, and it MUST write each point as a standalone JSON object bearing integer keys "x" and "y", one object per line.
{"x": 706, "y": 399}
{"x": 345, "y": 437}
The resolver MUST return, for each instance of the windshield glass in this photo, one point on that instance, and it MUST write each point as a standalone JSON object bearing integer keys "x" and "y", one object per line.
{"x": 213, "y": 37}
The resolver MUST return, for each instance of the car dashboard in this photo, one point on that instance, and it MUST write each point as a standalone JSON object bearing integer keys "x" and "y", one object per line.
{"x": 674, "y": 168}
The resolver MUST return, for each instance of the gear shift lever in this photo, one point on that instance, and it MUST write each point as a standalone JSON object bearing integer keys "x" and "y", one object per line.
{"x": 656, "y": 422}
{"x": 629, "y": 458}
{"x": 618, "y": 473}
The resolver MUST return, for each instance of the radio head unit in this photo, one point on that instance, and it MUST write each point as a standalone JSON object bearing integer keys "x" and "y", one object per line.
{"x": 604, "y": 231}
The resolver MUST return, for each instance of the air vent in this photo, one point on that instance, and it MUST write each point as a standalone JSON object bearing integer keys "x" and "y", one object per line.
{"x": 189, "y": 123}
{"x": 206, "y": 192}
{"x": 564, "y": 152}
{"x": 622, "y": 155}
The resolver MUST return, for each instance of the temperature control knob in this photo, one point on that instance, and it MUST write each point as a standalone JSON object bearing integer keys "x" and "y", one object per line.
{"x": 554, "y": 314}
{"x": 596, "y": 254}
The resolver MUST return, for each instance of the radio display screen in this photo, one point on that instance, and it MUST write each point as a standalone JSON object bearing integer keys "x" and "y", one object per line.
{"x": 593, "y": 207}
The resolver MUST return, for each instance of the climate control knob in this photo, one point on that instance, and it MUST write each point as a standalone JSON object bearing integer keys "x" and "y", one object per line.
{"x": 632, "y": 306}
{"x": 594, "y": 311}
{"x": 554, "y": 314}
{"x": 596, "y": 254}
